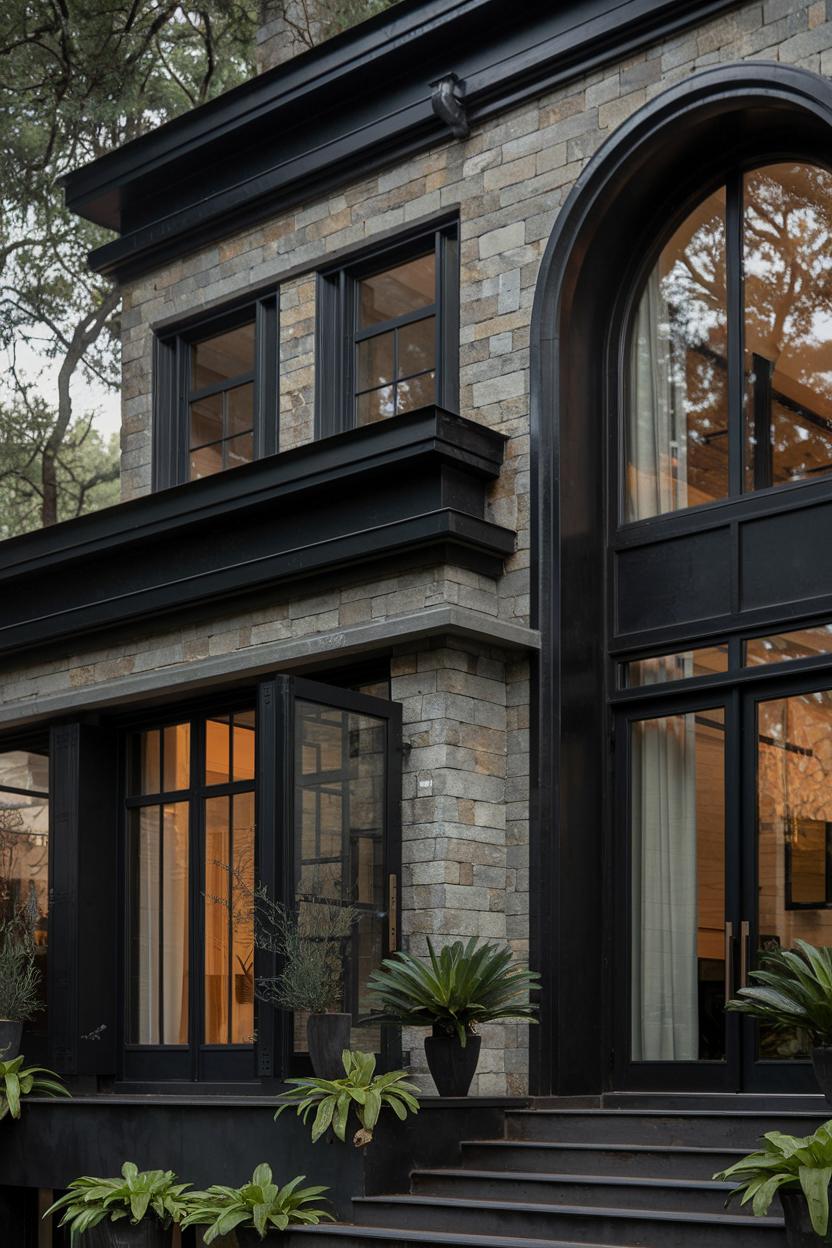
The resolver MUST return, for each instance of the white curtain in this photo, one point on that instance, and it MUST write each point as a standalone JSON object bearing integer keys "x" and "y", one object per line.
{"x": 146, "y": 969}
{"x": 665, "y": 904}
{"x": 657, "y": 447}
{"x": 175, "y": 924}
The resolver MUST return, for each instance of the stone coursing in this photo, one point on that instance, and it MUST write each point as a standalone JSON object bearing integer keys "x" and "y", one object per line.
{"x": 465, "y": 810}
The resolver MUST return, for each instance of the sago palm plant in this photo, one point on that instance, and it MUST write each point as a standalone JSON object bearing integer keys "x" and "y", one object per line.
{"x": 455, "y": 990}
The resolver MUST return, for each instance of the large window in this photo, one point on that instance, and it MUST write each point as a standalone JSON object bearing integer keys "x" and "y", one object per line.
{"x": 388, "y": 332}
{"x": 24, "y": 853}
{"x": 730, "y": 365}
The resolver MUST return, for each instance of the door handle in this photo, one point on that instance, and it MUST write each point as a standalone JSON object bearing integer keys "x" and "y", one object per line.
{"x": 392, "y": 913}
{"x": 745, "y": 939}
{"x": 729, "y": 959}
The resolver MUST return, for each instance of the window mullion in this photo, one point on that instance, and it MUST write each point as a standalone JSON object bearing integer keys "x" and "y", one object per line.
{"x": 734, "y": 292}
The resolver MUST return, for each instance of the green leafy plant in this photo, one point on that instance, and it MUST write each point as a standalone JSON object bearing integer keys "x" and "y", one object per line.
{"x": 260, "y": 1204}
{"x": 787, "y": 1162}
{"x": 20, "y": 997}
{"x": 15, "y": 1082}
{"x": 134, "y": 1195}
{"x": 361, "y": 1089}
{"x": 455, "y": 990}
{"x": 791, "y": 988}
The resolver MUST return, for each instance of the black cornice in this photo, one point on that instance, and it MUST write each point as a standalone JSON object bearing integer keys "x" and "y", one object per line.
{"x": 340, "y": 111}
{"x": 411, "y": 489}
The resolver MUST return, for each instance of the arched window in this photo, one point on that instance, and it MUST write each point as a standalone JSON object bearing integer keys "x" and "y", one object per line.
{"x": 730, "y": 347}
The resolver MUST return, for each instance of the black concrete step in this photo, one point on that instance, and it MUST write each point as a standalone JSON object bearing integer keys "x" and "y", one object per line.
{"x": 646, "y": 1160}
{"x": 637, "y": 1228}
{"x": 701, "y": 1128}
{"x": 683, "y": 1195}
{"x": 753, "y": 1102}
{"x": 344, "y": 1236}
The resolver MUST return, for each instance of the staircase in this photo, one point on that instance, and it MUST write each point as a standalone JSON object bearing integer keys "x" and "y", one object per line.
{"x": 634, "y": 1173}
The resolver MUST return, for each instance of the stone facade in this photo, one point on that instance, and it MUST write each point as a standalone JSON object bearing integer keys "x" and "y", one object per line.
{"x": 466, "y": 704}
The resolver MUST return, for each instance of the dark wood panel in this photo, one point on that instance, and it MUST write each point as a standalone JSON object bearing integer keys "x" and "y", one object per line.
{"x": 665, "y": 583}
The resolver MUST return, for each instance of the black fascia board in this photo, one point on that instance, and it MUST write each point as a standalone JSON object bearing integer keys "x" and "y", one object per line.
{"x": 415, "y": 483}
{"x": 347, "y": 108}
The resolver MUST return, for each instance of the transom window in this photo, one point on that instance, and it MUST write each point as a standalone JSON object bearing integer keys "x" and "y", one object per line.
{"x": 730, "y": 358}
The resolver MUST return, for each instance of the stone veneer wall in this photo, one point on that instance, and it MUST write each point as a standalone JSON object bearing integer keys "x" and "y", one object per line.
{"x": 466, "y": 708}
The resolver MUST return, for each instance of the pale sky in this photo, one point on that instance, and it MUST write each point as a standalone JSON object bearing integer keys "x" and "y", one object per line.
{"x": 86, "y": 395}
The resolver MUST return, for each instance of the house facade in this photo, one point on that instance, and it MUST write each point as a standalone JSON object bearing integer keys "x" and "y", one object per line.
{"x": 473, "y": 559}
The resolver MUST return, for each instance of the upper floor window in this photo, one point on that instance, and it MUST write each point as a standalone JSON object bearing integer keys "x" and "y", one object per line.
{"x": 216, "y": 396}
{"x": 388, "y": 332}
{"x": 730, "y": 355}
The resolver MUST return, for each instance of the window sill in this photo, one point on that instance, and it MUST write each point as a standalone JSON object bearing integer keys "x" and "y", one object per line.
{"x": 409, "y": 488}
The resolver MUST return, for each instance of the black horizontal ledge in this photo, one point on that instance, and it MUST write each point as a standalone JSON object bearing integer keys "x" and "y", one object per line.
{"x": 409, "y": 490}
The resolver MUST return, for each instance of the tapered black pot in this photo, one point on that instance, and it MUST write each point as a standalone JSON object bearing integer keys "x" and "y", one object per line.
{"x": 799, "y": 1233}
{"x": 148, "y": 1234}
{"x": 327, "y": 1036}
{"x": 10, "y": 1034}
{"x": 822, "y": 1063}
{"x": 248, "y": 1237}
{"x": 451, "y": 1065}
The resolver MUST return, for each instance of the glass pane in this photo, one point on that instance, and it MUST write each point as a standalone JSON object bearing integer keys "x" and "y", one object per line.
{"x": 375, "y": 361}
{"x": 144, "y": 841}
{"x": 145, "y": 762}
{"x": 177, "y": 757}
{"x": 417, "y": 347}
{"x": 804, "y": 643}
{"x": 794, "y": 835}
{"x": 238, "y": 451}
{"x": 218, "y": 359}
{"x": 217, "y": 920}
{"x": 218, "y": 750}
{"x": 242, "y": 925}
{"x": 175, "y": 899}
{"x": 398, "y": 291}
{"x": 239, "y": 409}
{"x": 158, "y": 945}
{"x": 375, "y": 405}
{"x": 787, "y": 225}
{"x": 681, "y": 666}
{"x": 207, "y": 461}
{"x": 677, "y": 429}
{"x": 206, "y": 420}
{"x": 24, "y": 855}
{"x": 244, "y": 745}
{"x": 416, "y": 392}
{"x": 340, "y": 811}
{"x": 678, "y": 887}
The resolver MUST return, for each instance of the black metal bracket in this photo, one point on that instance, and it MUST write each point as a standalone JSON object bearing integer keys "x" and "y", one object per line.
{"x": 448, "y": 102}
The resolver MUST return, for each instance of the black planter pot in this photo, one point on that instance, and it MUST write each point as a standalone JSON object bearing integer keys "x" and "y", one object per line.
{"x": 148, "y": 1234}
{"x": 327, "y": 1036}
{"x": 451, "y": 1066}
{"x": 248, "y": 1237}
{"x": 10, "y": 1034}
{"x": 822, "y": 1063}
{"x": 799, "y": 1233}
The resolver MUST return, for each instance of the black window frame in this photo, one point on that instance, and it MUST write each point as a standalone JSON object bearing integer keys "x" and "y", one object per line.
{"x": 336, "y": 331}
{"x": 730, "y": 177}
{"x": 172, "y": 390}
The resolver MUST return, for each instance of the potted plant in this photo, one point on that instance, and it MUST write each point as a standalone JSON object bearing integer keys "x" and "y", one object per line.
{"x": 457, "y": 989}
{"x": 137, "y": 1210}
{"x": 792, "y": 989}
{"x": 309, "y": 945}
{"x": 20, "y": 996}
{"x": 252, "y": 1210}
{"x": 361, "y": 1090}
{"x": 16, "y": 1082}
{"x": 799, "y": 1171}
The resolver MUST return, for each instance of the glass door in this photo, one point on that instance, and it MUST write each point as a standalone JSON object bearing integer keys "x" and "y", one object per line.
{"x": 788, "y": 841}
{"x": 682, "y": 911}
